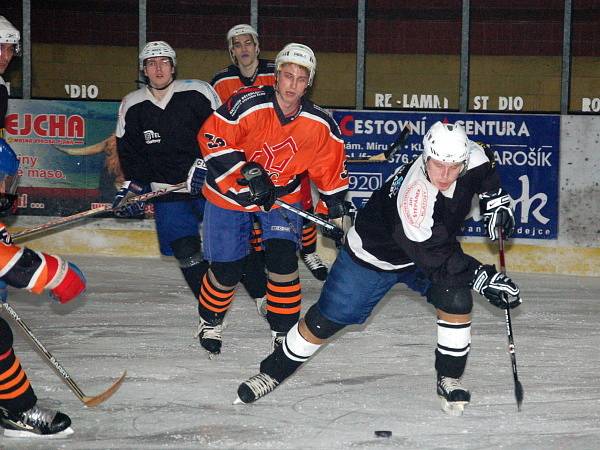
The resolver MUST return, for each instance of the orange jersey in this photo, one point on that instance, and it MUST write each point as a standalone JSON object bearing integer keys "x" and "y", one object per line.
{"x": 23, "y": 268}
{"x": 229, "y": 80}
{"x": 251, "y": 127}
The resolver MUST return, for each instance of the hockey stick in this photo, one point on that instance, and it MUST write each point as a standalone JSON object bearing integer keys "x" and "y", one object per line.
{"x": 95, "y": 211}
{"x": 509, "y": 331}
{"x": 391, "y": 150}
{"x": 250, "y": 173}
{"x": 336, "y": 233}
{"x": 85, "y": 399}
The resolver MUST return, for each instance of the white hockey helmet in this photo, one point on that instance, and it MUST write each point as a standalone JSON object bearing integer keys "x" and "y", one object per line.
{"x": 297, "y": 54}
{"x": 157, "y": 48}
{"x": 9, "y": 34}
{"x": 446, "y": 142}
{"x": 239, "y": 30}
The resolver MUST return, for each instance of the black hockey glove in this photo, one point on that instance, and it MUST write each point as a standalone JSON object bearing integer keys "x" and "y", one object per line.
{"x": 262, "y": 189}
{"x": 133, "y": 210}
{"x": 341, "y": 214}
{"x": 497, "y": 287}
{"x": 497, "y": 212}
{"x": 196, "y": 177}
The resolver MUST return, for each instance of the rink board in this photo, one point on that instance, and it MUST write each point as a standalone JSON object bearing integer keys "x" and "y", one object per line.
{"x": 143, "y": 243}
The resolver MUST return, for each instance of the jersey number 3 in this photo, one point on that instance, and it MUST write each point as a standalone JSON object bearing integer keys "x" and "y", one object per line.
{"x": 214, "y": 141}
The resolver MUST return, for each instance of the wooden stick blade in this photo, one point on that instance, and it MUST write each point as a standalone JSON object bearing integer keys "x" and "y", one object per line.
{"x": 378, "y": 158}
{"x": 100, "y": 398}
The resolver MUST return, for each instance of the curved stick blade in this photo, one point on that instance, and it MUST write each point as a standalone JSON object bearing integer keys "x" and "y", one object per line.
{"x": 94, "y": 401}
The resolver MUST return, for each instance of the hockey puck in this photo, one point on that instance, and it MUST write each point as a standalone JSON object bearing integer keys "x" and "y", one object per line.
{"x": 383, "y": 433}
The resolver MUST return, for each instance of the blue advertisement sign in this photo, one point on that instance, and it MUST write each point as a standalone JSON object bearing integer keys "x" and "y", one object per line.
{"x": 525, "y": 146}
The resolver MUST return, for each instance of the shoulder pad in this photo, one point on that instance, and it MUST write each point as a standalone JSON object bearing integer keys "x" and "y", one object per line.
{"x": 479, "y": 154}
{"x": 487, "y": 148}
{"x": 135, "y": 97}
{"x": 415, "y": 202}
{"x": 266, "y": 64}
{"x": 229, "y": 71}
{"x": 322, "y": 113}
{"x": 200, "y": 86}
{"x": 243, "y": 100}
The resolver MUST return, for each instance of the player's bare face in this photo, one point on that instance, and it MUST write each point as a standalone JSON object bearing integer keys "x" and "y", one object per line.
{"x": 443, "y": 174}
{"x": 245, "y": 51}
{"x": 159, "y": 71}
{"x": 292, "y": 81}
{"x": 6, "y": 53}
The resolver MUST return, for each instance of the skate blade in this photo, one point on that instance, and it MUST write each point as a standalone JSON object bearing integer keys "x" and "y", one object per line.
{"x": 238, "y": 401}
{"x": 454, "y": 409}
{"x": 26, "y": 434}
{"x": 212, "y": 355}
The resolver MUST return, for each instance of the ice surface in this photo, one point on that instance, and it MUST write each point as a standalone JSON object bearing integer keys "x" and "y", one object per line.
{"x": 138, "y": 315}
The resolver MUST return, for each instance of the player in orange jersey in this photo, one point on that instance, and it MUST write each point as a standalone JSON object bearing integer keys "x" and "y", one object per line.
{"x": 20, "y": 267}
{"x": 277, "y": 132}
{"x": 250, "y": 70}
{"x": 247, "y": 68}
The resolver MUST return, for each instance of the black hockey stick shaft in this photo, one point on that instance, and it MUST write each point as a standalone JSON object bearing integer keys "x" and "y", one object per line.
{"x": 93, "y": 212}
{"x": 391, "y": 150}
{"x": 252, "y": 170}
{"x": 337, "y": 233}
{"x": 58, "y": 368}
{"x": 509, "y": 331}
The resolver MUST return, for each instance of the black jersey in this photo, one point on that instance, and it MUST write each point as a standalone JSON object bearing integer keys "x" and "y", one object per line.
{"x": 156, "y": 139}
{"x": 410, "y": 222}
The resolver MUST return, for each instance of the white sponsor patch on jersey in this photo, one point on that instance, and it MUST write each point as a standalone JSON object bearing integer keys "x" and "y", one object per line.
{"x": 151, "y": 137}
{"x": 415, "y": 203}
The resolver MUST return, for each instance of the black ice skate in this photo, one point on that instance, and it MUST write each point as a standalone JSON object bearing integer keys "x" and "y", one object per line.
{"x": 36, "y": 422}
{"x": 210, "y": 336}
{"x": 453, "y": 395}
{"x": 316, "y": 266}
{"x": 255, "y": 387}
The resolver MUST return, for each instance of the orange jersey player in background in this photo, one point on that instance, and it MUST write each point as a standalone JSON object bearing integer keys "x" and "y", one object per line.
{"x": 249, "y": 70}
{"x": 281, "y": 134}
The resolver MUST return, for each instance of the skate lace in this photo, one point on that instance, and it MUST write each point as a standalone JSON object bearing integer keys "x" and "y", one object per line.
{"x": 208, "y": 331}
{"x": 451, "y": 384}
{"x": 38, "y": 417}
{"x": 261, "y": 384}
{"x": 313, "y": 261}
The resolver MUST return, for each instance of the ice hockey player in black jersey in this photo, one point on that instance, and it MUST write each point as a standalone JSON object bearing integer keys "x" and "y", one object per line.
{"x": 156, "y": 143}
{"x": 407, "y": 233}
